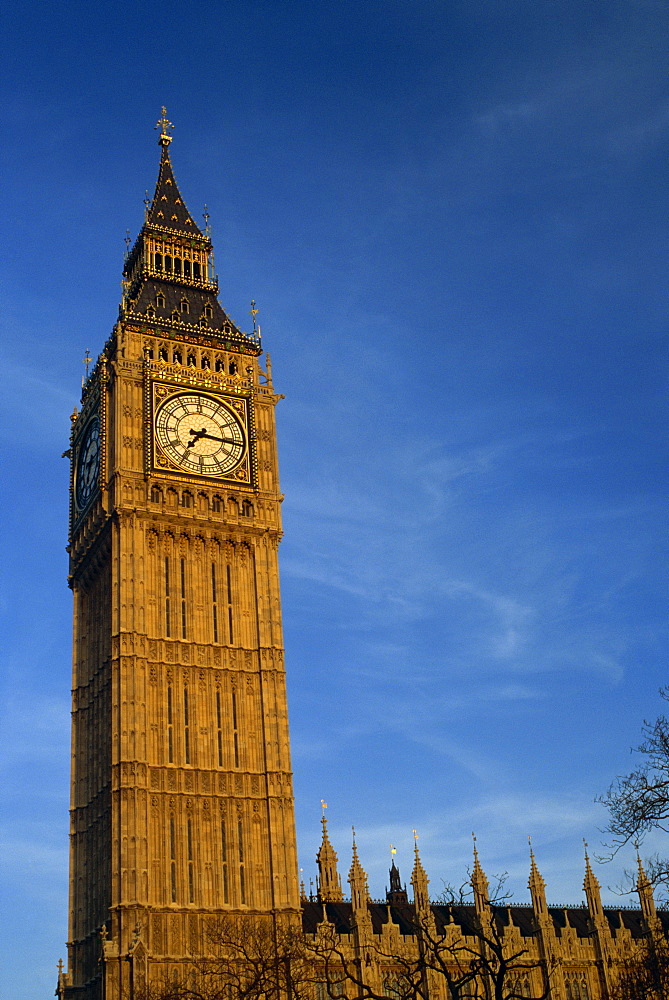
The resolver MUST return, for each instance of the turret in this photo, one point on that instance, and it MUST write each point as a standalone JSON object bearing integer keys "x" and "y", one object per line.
{"x": 479, "y": 884}
{"x": 396, "y": 894}
{"x": 645, "y": 891}
{"x": 537, "y": 888}
{"x": 357, "y": 879}
{"x": 592, "y": 890}
{"x": 419, "y": 881}
{"x": 329, "y": 882}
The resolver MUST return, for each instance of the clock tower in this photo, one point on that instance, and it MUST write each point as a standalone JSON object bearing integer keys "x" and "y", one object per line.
{"x": 181, "y": 789}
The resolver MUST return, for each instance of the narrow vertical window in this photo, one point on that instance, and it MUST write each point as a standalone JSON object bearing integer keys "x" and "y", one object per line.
{"x": 173, "y": 860}
{"x": 231, "y": 631}
{"x": 214, "y": 601}
{"x": 186, "y": 727}
{"x": 183, "y": 598}
{"x": 240, "y": 843}
{"x": 219, "y": 728}
{"x": 191, "y": 872}
{"x": 224, "y": 859}
{"x": 170, "y": 727}
{"x": 235, "y": 736}
{"x": 167, "y": 596}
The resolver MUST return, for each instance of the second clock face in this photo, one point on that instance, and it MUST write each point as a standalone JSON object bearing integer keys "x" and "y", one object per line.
{"x": 200, "y": 434}
{"x": 88, "y": 464}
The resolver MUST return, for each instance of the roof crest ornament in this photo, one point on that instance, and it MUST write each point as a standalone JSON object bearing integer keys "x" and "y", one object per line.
{"x": 165, "y": 126}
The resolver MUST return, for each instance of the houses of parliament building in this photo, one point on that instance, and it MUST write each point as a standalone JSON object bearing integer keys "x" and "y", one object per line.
{"x": 181, "y": 786}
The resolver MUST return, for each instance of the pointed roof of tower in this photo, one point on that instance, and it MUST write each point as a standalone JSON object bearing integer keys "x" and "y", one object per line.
{"x": 168, "y": 210}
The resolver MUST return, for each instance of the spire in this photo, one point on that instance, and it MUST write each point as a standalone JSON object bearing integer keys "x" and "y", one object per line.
{"x": 329, "y": 882}
{"x": 357, "y": 879}
{"x": 479, "y": 883}
{"x": 419, "y": 880}
{"x": 591, "y": 887}
{"x": 537, "y": 887}
{"x": 167, "y": 210}
{"x": 645, "y": 891}
{"x": 168, "y": 276}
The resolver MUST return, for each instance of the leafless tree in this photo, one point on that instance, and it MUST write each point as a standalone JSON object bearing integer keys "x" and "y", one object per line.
{"x": 638, "y": 803}
{"x": 248, "y": 958}
{"x": 477, "y": 962}
{"x": 646, "y": 976}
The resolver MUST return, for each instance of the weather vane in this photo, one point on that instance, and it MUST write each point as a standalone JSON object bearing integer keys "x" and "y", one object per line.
{"x": 393, "y": 852}
{"x": 324, "y": 806}
{"x": 87, "y": 361}
{"x": 164, "y": 124}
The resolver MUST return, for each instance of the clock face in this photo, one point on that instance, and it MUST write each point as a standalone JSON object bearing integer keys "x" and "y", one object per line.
{"x": 88, "y": 464}
{"x": 200, "y": 434}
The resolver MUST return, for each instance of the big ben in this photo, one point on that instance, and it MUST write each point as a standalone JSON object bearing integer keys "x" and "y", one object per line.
{"x": 181, "y": 787}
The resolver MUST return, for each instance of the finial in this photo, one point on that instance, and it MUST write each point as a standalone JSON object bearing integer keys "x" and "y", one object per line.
{"x": 205, "y": 216}
{"x": 127, "y": 241}
{"x": 253, "y": 313}
{"x": 324, "y": 806}
{"x": 87, "y": 361}
{"x": 60, "y": 967}
{"x": 353, "y": 830}
{"x": 393, "y": 852}
{"x": 164, "y": 124}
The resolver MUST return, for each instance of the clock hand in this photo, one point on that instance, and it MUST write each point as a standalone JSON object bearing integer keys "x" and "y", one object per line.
{"x": 212, "y": 437}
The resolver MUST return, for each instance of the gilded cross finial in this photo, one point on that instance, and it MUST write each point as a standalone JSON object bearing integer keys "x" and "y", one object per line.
{"x": 164, "y": 124}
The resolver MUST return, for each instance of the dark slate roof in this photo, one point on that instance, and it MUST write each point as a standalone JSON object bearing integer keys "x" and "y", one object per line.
{"x": 522, "y": 917}
{"x": 174, "y": 293}
{"x": 168, "y": 209}
{"x": 338, "y": 914}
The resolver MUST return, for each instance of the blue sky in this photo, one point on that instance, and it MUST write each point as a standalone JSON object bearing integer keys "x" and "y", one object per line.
{"x": 452, "y": 216}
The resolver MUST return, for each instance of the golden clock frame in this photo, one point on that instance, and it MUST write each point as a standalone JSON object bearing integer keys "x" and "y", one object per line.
{"x": 160, "y": 385}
